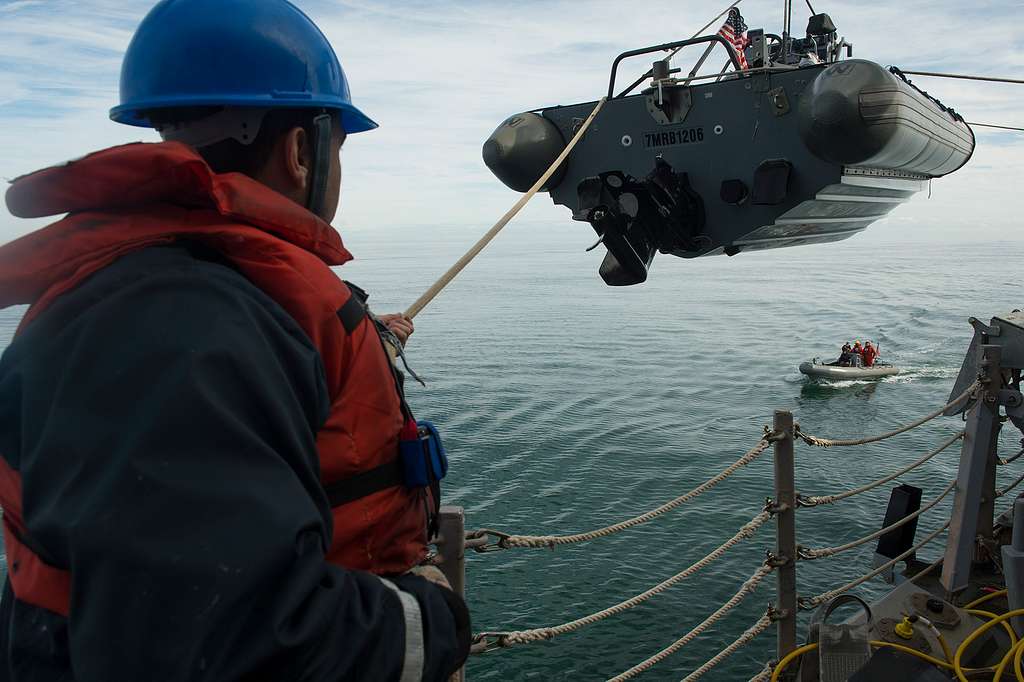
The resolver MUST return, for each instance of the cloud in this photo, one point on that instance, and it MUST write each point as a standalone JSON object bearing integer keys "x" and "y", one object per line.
{"x": 439, "y": 77}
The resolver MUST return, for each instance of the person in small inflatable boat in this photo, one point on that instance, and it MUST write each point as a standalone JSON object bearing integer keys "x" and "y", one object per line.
{"x": 850, "y": 356}
{"x": 870, "y": 354}
{"x": 205, "y": 450}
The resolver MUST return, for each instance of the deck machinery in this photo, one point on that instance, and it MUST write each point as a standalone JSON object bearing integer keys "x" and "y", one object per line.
{"x": 803, "y": 146}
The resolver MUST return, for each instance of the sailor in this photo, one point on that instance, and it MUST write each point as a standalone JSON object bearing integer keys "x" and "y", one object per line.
{"x": 844, "y": 355}
{"x": 202, "y": 438}
{"x": 869, "y": 354}
{"x": 857, "y": 354}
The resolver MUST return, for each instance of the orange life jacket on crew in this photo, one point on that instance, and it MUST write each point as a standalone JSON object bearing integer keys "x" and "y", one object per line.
{"x": 135, "y": 196}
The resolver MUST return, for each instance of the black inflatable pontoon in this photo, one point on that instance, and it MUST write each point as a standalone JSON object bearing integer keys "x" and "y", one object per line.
{"x": 801, "y": 147}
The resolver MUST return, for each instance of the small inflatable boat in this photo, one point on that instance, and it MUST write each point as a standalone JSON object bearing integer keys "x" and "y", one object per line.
{"x": 822, "y": 370}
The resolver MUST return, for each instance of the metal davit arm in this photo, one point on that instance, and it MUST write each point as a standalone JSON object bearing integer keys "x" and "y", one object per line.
{"x": 677, "y": 45}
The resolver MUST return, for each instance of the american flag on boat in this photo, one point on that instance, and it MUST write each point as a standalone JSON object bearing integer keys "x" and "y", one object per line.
{"x": 735, "y": 31}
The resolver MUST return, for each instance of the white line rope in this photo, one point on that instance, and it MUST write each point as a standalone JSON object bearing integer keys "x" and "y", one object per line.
{"x": 829, "y": 442}
{"x": 507, "y": 541}
{"x": 1010, "y": 460}
{"x": 807, "y": 553}
{"x": 538, "y": 634}
{"x": 443, "y": 281}
{"x": 762, "y": 624}
{"x": 1003, "y": 491}
{"x": 749, "y": 586}
{"x": 816, "y": 500}
{"x": 765, "y": 675}
{"x": 812, "y": 602}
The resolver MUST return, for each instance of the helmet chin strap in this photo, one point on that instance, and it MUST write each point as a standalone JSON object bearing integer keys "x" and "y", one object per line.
{"x": 321, "y": 163}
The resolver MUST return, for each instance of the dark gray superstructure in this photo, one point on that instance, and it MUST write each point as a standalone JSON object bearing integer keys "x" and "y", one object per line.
{"x": 800, "y": 148}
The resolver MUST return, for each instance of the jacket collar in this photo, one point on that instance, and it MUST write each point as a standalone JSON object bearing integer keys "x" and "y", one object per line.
{"x": 139, "y": 175}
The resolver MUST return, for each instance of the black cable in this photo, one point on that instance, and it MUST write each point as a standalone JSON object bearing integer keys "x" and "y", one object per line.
{"x": 991, "y": 125}
{"x": 963, "y": 77}
{"x": 809, "y": 6}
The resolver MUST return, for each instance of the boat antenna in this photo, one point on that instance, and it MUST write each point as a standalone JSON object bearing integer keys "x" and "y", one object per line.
{"x": 809, "y": 6}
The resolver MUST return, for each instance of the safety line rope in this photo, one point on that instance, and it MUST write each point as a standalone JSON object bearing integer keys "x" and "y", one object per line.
{"x": 828, "y": 442}
{"x": 762, "y": 624}
{"x": 507, "y": 541}
{"x": 1009, "y": 460}
{"x": 812, "y": 602}
{"x": 766, "y": 673}
{"x": 809, "y": 554}
{"x": 815, "y": 500}
{"x": 749, "y": 586}
{"x": 1003, "y": 491}
{"x": 454, "y": 270}
{"x": 505, "y": 639}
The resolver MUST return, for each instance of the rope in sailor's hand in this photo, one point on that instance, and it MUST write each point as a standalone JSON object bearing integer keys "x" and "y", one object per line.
{"x": 421, "y": 302}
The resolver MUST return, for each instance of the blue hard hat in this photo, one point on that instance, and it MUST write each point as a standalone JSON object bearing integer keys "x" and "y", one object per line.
{"x": 243, "y": 53}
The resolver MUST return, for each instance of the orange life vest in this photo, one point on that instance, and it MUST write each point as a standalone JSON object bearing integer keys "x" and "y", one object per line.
{"x": 135, "y": 196}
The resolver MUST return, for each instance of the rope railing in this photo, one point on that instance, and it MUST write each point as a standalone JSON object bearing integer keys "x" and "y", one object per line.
{"x": 477, "y": 539}
{"x": 755, "y": 630}
{"x": 749, "y": 586}
{"x": 489, "y": 540}
{"x": 1010, "y": 460}
{"x": 488, "y": 641}
{"x": 765, "y": 675}
{"x": 807, "y": 554}
{"x": 816, "y": 500}
{"x": 1003, "y": 491}
{"x": 807, "y": 603}
{"x": 829, "y": 442}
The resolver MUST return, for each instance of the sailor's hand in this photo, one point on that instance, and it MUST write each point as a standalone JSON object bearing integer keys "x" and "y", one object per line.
{"x": 400, "y": 325}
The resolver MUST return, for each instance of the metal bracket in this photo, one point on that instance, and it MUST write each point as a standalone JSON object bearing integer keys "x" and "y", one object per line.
{"x": 1011, "y": 399}
{"x": 779, "y": 101}
{"x": 668, "y": 103}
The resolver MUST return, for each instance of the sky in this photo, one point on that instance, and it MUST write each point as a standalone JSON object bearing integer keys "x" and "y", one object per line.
{"x": 440, "y": 76}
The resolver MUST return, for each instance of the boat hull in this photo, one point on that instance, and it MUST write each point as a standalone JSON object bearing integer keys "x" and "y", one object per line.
{"x": 758, "y": 160}
{"x": 822, "y": 371}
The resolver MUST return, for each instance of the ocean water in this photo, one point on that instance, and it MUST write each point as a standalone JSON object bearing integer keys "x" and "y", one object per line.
{"x": 567, "y": 405}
